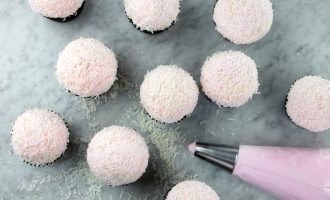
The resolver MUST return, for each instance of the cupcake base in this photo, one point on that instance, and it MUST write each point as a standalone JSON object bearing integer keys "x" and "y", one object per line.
{"x": 183, "y": 118}
{"x": 154, "y": 119}
{"x": 73, "y": 93}
{"x": 148, "y": 32}
{"x": 42, "y": 165}
{"x": 165, "y": 196}
{"x": 87, "y": 97}
{"x": 69, "y": 18}
{"x": 210, "y": 100}
{"x": 90, "y": 97}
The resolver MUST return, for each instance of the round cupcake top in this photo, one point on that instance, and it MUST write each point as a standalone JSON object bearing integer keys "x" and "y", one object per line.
{"x": 152, "y": 15}
{"x": 229, "y": 78}
{"x": 56, "y": 8}
{"x": 188, "y": 190}
{"x": 308, "y": 103}
{"x": 168, "y": 93}
{"x": 117, "y": 155}
{"x": 243, "y": 21}
{"x": 39, "y": 136}
{"x": 86, "y": 67}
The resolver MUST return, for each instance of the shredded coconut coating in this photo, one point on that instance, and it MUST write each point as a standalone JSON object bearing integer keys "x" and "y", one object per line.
{"x": 308, "y": 103}
{"x": 243, "y": 21}
{"x": 86, "y": 67}
{"x": 168, "y": 93}
{"x": 56, "y": 8}
{"x": 192, "y": 190}
{"x": 152, "y": 15}
{"x": 117, "y": 155}
{"x": 39, "y": 136}
{"x": 229, "y": 78}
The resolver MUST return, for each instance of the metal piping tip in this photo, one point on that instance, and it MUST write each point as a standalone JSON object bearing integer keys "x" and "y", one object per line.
{"x": 223, "y": 155}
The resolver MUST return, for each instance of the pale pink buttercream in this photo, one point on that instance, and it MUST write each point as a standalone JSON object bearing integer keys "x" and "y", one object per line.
{"x": 192, "y": 148}
{"x": 192, "y": 190}
{"x": 229, "y": 78}
{"x": 86, "y": 67}
{"x": 117, "y": 155}
{"x": 56, "y": 8}
{"x": 287, "y": 173}
{"x": 308, "y": 103}
{"x": 152, "y": 15}
{"x": 39, "y": 136}
{"x": 168, "y": 93}
{"x": 243, "y": 21}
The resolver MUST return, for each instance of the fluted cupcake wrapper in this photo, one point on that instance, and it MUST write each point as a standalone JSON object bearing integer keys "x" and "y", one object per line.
{"x": 167, "y": 123}
{"x": 148, "y": 32}
{"x": 69, "y": 18}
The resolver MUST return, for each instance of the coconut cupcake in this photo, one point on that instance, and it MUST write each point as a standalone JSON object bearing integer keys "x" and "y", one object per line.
{"x": 168, "y": 93}
{"x": 243, "y": 21}
{"x": 229, "y": 78}
{"x": 152, "y": 16}
{"x": 188, "y": 190}
{"x": 39, "y": 137}
{"x": 308, "y": 103}
{"x": 117, "y": 155}
{"x": 58, "y": 10}
{"x": 86, "y": 67}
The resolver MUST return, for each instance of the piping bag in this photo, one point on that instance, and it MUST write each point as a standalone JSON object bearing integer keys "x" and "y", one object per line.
{"x": 286, "y": 173}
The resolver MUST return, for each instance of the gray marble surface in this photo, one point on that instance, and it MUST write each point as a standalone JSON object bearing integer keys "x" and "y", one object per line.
{"x": 298, "y": 44}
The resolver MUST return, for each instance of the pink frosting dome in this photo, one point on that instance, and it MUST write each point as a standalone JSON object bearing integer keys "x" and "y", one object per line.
{"x": 56, "y": 8}
{"x": 86, "y": 67}
{"x": 308, "y": 103}
{"x": 117, "y": 155}
{"x": 243, "y": 21}
{"x": 152, "y": 15}
{"x": 168, "y": 93}
{"x": 229, "y": 78}
{"x": 192, "y": 190}
{"x": 39, "y": 136}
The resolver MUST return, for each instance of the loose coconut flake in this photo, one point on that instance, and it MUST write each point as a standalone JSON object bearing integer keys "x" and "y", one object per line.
{"x": 78, "y": 182}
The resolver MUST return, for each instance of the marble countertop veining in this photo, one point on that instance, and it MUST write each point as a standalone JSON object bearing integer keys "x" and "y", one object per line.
{"x": 298, "y": 44}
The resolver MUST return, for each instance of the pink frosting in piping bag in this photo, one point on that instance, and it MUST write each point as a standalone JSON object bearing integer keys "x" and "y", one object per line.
{"x": 287, "y": 173}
